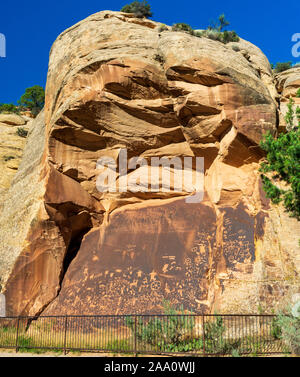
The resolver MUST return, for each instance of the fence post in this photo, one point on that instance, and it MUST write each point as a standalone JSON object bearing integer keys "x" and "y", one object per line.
{"x": 65, "y": 335}
{"x": 135, "y": 335}
{"x": 203, "y": 335}
{"x": 17, "y": 336}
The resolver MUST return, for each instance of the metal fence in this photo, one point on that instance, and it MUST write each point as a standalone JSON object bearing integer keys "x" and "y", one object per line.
{"x": 145, "y": 334}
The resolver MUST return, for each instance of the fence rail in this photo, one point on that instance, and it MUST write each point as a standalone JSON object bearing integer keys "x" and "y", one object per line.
{"x": 145, "y": 334}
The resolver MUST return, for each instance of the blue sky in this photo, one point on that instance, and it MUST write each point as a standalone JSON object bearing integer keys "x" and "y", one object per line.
{"x": 31, "y": 27}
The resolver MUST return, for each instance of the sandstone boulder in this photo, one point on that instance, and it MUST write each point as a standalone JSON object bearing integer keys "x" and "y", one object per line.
{"x": 116, "y": 82}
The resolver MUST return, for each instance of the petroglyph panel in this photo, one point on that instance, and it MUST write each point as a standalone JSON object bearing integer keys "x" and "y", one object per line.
{"x": 238, "y": 236}
{"x": 143, "y": 257}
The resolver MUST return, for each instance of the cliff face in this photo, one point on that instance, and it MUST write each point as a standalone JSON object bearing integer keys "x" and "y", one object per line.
{"x": 11, "y": 148}
{"x": 116, "y": 82}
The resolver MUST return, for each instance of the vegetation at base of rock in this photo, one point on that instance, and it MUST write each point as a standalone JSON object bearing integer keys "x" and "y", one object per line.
{"x": 174, "y": 333}
{"x": 9, "y": 108}
{"x": 281, "y": 67}
{"x": 33, "y": 99}
{"x": 22, "y": 132}
{"x": 298, "y": 93}
{"x": 141, "y": 9}
{"x": 288, "y": 329}
{"x": 283, "y": 161}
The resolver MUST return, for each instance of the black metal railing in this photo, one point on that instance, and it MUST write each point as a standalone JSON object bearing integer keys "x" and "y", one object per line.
{"x": 145, "y": 334}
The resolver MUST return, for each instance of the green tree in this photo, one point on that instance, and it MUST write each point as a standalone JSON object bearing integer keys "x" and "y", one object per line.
{"x": 283, "y": 161}
{"x": 33, "y": 99}
{"x": 298, "y": 93}
{"x": 281, "y": 67}
{"x": 141, "y": 9}
{"x": 220, "y": 24}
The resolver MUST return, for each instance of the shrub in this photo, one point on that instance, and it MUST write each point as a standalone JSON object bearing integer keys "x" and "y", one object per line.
{"x": 162, "y": 28}
{"x": 298, "y": 93}
{"x": 221, "y": 36}
{"x": 289, "y": 325}
{"x": 281, "y": 67}
{"x": 183, "y": 27}
{"x": 283, "y": 156}
{"x": 141, "y": 9}
{"x": 229, "y": 36}
{"x": 22, "y": 132}
{"x": 216, "y": 32}
{"x": 215, "y": 343}
{"x": 9, "y": 108}
{"x": 167, "y": 333}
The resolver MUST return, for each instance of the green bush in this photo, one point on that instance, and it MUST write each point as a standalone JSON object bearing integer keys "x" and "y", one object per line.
{"x": 215, "y": 343}
{"x": 290, "y": 331}
{"x": 281, "y": 67}
{"x": 283, "y": 160}
{"x": 216, "y": 32}
{"x": 9, "y": 108}
{"x": 162, "y": 28}
{"x": 183, "y": 27}
{"x": 141, "y": 9}
{"x": 221, "y": 36}
{"x": 167, "y": 333}
{"x": 298, "y": 93}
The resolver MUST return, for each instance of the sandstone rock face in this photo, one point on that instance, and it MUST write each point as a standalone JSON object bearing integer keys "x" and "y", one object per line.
{"x": 116, "y": 82}
{"x": 11, "y": 149}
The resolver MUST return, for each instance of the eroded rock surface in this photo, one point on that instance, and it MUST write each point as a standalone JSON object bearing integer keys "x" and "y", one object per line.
{"x": 11, "y": 148}
{"x": 116, "y": 82}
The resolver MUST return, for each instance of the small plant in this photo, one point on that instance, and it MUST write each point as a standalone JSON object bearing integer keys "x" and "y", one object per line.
{"x": 22, "y": 132}
{"x": 183, "y": 27}
{"x": 290, "y": 330}
{"x": 275, "y": 329}
{"x": 235, "y": 353}
{"x": 162, "y": 28}
{"x": 298, "y": 93}
{"x": 170, "y": 333}
{"x": 220, "y": 24}
{"x": 281, "y": 67}
{"x": 216, "y": 32}
{"x": 141, "y": 9}
{"x": 9, "y": 108}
